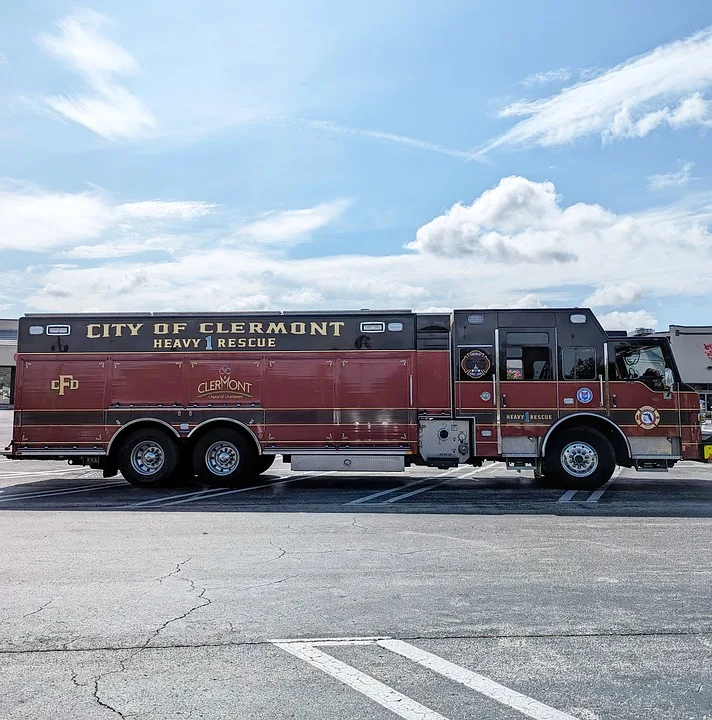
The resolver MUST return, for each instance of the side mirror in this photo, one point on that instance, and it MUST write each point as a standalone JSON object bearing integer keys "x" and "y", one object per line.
{"x": 669, "y": 379}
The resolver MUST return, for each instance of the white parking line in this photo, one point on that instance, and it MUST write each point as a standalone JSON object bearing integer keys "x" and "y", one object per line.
{"x": 504, "y": 695}
{"x": 377, "y": 691}
{"x": 595, "y": 496}
{"x": 375, "y": 495}
{"x": 44, "y": 473}
{"x": 437, "y": 484}
{"x": 54, "y": 493}
{"x": 391, "y": 699}
{"x": 218, "y": 492}
{"x": 567, "y": 496}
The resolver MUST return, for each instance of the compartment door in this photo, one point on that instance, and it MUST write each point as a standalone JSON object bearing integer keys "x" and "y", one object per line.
{"x": 375, "y": 401}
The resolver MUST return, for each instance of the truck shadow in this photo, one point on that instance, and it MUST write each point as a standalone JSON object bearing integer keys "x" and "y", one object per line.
{"x": 350, "y": 494}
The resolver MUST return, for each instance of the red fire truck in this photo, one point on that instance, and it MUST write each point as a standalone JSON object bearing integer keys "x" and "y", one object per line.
{"x": 219, "y": 396}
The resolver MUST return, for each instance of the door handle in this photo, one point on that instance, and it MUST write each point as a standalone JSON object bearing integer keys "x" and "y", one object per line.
{"x": 504, "y": 400}
{"x": 614, "y": 401}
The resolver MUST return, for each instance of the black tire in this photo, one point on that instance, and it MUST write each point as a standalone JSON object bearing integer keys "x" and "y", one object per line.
{"x": 264, "y": 463}
{"x": 585, "y": 449}
{"x": 224, "y": 457}
{"x": 148, "y": 458}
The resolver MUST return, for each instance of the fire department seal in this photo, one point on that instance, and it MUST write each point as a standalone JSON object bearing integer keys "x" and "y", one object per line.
{"x": 475, "y": 364}
{"x": 584, "y": 395}
{"x": 647, "y": 417}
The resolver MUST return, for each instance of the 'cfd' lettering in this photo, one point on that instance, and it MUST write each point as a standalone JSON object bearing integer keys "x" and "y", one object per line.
{"x": 64, "y": 382}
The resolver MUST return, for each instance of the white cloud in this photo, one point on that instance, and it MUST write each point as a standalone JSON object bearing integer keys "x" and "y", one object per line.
{"x": 542, "y": 78}
{"x": 528, "y": 301}
{"x": 392, "y": 138}
{"x": 34, "y": 219}
{"x": 671, "y": 179}
{"x": 164, "y": 210}
{"x": 512, "y": 222}
{"x": 624, "y": 293}
{"x": 290, "y": 226}
{"x": 112, "y": 111}
{"x": 629, "y": 100}
{"x": 692, "y": 110}
{"x": 621, "y": 256}
{"x": 628, "y": 320}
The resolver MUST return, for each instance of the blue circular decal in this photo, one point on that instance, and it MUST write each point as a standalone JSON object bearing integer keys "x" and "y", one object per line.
{"x": 584, "y": 395}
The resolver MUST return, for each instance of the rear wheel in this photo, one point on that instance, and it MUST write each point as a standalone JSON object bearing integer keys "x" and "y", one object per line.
{"x": 148, "y": 458}
{"x": 582, "y": 459}
{"x": 223, "y": 457}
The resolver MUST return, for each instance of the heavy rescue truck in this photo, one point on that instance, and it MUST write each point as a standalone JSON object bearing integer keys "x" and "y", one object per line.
{"x": 219, "y": 396}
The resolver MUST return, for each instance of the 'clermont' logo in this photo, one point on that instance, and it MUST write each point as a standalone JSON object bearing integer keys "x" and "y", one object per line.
{"x": 225, "y": 386}
{"x": 64, "y": 382}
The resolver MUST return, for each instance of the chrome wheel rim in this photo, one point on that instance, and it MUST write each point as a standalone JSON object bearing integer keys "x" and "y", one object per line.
{"x": 579, "y": 459}
{"x": 147, "y": 458}
{"x": 222, "y": 458}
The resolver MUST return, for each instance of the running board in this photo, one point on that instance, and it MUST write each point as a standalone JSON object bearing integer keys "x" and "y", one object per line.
{"x": 348, "y": 463}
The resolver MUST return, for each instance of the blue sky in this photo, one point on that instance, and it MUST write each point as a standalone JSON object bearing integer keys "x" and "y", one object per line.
{"x": 312, "y": 154}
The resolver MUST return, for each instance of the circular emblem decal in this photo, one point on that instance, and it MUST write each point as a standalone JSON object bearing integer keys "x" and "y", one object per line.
{"x": 475, "y": 364}
{"x": 485, "y": 396}
{"x": 584, "y": 395}
{"x": 647, "y": 417}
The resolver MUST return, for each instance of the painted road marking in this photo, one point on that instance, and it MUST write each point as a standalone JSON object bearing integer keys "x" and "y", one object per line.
{"x": 218, "y": 492}
{"x": 55, "y": 493}
{"x": 481, "y": 684}
{"x": 44, "y": 473}
{"x": 595, "y": 496}
{"x": 437, "y": 484}
{"x": 419, "y": 481}
{"x": 375, "y": 495}
{"x": 567, "y": 496}
{"x": 377, "y": 691}
{"x": 46, "y": 490}
{"x": 391, "y": 699}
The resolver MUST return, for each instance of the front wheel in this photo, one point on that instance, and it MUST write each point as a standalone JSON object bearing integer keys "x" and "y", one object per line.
{"x": 148, "y": 458}
{"x": 223, "y": 457}
{"x": 581, "y": 459}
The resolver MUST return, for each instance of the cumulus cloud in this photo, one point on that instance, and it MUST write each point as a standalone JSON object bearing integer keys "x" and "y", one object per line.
{"x": 671, "y": 179}
{"x": 661, "y": 87}
{"x": 111, "y": 111}
{"x": 617, "y": 320}
{"x": 617, "y": 294}
{"x": 513, "y": 222}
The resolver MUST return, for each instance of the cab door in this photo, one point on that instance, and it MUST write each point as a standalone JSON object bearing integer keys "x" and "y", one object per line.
{"x": 527, "y": 393}
{"x": 640, "y": 402}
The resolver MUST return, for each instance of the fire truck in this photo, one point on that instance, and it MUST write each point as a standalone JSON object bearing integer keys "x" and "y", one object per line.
{"x": 155, "y": 396}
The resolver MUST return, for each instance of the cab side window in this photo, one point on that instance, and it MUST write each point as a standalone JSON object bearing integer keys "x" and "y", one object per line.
{"x": 578, "y": 363}
{"x": 644, "y": 363}
{"x": 527, "y": 356}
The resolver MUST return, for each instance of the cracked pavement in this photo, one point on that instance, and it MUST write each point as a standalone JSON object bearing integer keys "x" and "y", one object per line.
{"x": 164, "y": 615}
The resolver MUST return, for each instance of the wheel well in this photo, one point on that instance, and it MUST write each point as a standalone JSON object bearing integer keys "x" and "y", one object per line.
{"x": 206, "y": 427}
{"x": 128, "y": 429}
{"x": 594, "y": 422}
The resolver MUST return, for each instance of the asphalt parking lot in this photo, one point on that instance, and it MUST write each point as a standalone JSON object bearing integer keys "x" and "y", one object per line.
{"x": 473, "y": 593}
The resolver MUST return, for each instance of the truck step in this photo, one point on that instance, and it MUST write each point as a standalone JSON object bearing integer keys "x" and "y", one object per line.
{"x": 651, "y": 465}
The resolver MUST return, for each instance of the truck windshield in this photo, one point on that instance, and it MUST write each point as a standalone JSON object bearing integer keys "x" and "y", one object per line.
{"x": 643, "y": 362}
